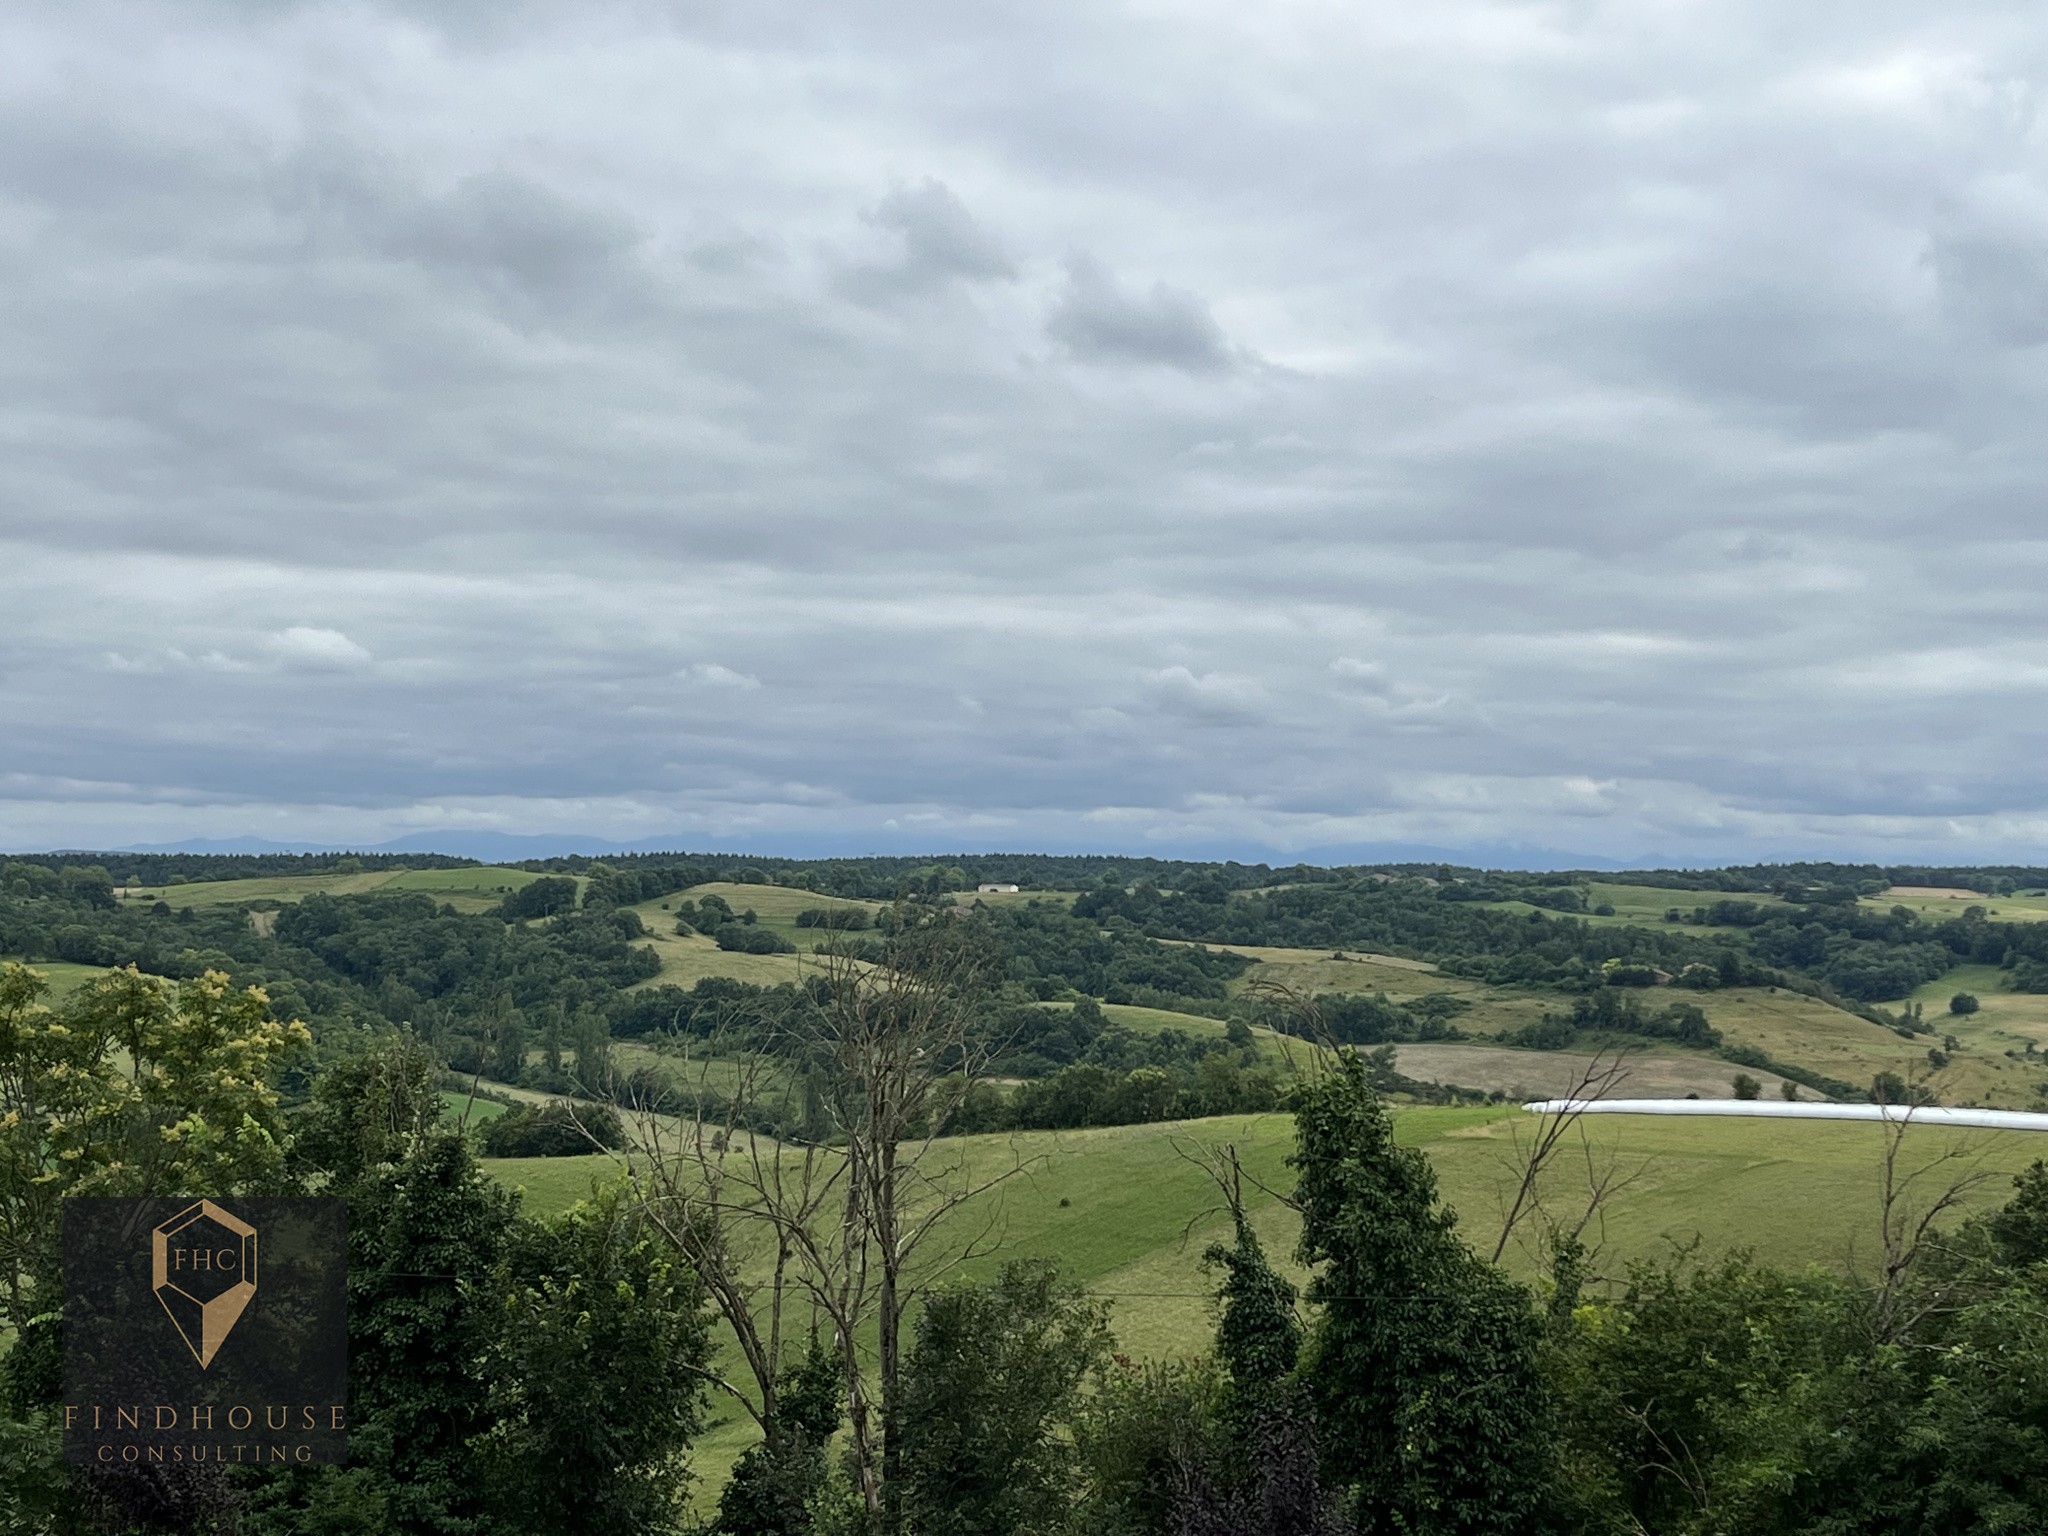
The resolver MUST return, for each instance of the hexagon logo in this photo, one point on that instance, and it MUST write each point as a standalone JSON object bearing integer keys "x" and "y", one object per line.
{"x": 203, "y": 1269}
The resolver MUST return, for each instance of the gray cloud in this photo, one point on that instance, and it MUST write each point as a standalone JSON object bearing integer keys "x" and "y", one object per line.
{"x": 1098, "y": 320}
{"x": 941, "y": 240}
{"x": 1585, "y": 428}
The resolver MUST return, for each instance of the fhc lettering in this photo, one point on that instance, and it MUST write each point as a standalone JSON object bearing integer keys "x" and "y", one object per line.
{"x": 191, "y": 1260}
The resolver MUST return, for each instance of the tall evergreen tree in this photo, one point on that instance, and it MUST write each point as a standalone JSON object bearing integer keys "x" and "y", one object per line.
{"x": 1422, "y": 1366}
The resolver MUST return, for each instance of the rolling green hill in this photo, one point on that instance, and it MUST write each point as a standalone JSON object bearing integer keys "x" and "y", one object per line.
{"x": 472, "y": 889}
{"x": 1128, "y": 1212}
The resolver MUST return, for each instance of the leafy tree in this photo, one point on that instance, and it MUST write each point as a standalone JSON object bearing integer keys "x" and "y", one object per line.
{"x": 364, "y": 1111}
{"x": 1697, "y": 1404}
{"x": 597, "y": 1378}
{"x": 772, "y": 1488}
{"x": 2020, "y": 1226}
{"x": 427, "y": 1235}
{"x": 545, "y": 897}
{"x": 554, "y": 1129}
{"x": 1136, "y": 1437}
{"x": 750, "y": 939}
{"x": 1963, "y": 1003}
{"x": 843, "y": 919}
{"x": 994, "y": 1373}
{"x": 138, "y": 1087}
{"x": 1258, "y": 1337}
{"x": 1283, "y": 1494}
{"x": 1422, "y": 1366}
{"x": 1746, "y": 1087}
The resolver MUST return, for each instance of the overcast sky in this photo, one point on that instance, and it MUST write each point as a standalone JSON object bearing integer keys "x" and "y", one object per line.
{"x": 1253, "y": 429}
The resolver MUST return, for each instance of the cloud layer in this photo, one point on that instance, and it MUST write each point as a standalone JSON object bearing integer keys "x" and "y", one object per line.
{"x": 1253, "y": 429}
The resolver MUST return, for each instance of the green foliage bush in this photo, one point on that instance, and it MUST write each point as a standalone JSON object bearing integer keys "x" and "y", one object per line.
{"x": 548, "y": 896}
{"x": 745, "y": 939}
{"x": 554, "y": 1129}
{"x": 843, "y": 919}
{"x": 994, "y": 1375}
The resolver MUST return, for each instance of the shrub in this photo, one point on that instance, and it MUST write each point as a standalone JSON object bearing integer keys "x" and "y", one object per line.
{"x": 1626, "y": 973}
{"x": 842, "y": 918}
{"x": 1747, "y": 1087}
{"x": 554, "y": 1129}
{"x": 1962, "y": 1002}
{"x": 751, "y": 939}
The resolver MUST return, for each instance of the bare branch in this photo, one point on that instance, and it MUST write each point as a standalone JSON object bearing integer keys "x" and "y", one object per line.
{"x": 1597, "y": 1079}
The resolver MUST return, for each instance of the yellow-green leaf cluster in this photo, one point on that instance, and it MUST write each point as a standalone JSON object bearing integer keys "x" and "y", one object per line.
{"x": 140, "y": 1086}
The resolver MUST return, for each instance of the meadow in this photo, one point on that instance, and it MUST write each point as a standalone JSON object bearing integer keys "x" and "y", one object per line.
{"x": 476, "y": 888}
{"x": 1128, "y": 1211}
{"x": 1637, "y": 905}
{"x": 1940, "y": 903}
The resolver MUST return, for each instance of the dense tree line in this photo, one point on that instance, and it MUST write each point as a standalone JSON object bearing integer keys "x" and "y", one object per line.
{"x": 155, "y": 869}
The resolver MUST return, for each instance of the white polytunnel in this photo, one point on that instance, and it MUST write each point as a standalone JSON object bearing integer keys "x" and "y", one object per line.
{"x": 1765, "y": 1109}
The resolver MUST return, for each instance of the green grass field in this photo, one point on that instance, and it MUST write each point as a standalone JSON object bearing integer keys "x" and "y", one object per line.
{"x": 64, "y": 978}
{"x": 2004, "y": 1022}
{"x": 688, "y": 958}
{"x": 1786, "y": 1026}
{"x": 1940, "y": 903}
{"x": 475, "y": 888}
{"x": 1796, "y": 1192}
{"x": 1639, "y": 905}
{"x": 1649, "y": 903}
{"x": 1014, "y": 898}
{"x": 459, "y": 1107}
{"x": 1139, "y": 1212}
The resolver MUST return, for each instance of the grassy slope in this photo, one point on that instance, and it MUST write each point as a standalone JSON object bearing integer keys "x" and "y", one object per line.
{"x": 1140, "y": 1213}
{"x": 2007, "y": 909}
{"x": 967, "y": 899}
{"x": 473, "y": 889}
{"x": 1787, "y": 1026}
{"x": 457, "y": 1108}
{"x": 2004, "y": 1021}
{"x": 64, "y": 977}
{"x": 1662, "y": 1073}
{"x": 686, "y": 959}
{"x": 1637, "y": 905}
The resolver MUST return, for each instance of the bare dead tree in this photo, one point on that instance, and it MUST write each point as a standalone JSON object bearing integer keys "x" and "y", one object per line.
{"x": 1597, "y": 1079}
{"x": 1911, "y": 1201}
{"x": 855, "y": 1216}
{"x": 738, "y": 1204}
